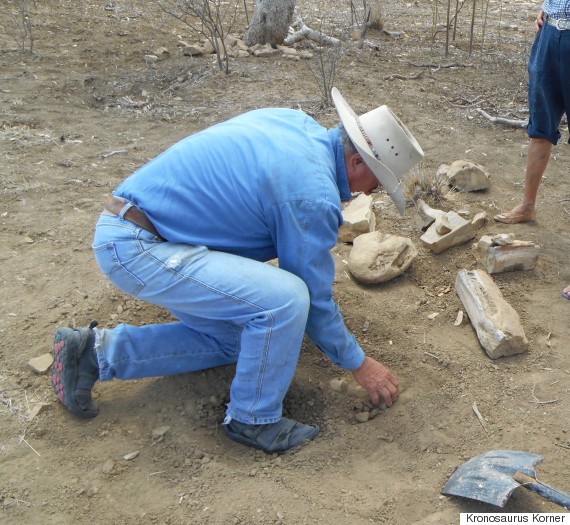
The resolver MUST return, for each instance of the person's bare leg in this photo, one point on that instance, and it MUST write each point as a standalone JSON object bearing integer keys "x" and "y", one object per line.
{"x": 566, "y": 293}
{"x": 537, "y": 160}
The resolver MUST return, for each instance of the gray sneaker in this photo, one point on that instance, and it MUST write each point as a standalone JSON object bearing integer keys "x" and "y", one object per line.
{"x": 274, "y": 438}
{"x": 75, "y": 369}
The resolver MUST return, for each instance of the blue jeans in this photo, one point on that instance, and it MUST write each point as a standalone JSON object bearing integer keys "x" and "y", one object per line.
{"x": 231, "y": 310}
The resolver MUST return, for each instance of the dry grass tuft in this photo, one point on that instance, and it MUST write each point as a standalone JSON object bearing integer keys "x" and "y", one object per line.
{"x": 424, "y": 183}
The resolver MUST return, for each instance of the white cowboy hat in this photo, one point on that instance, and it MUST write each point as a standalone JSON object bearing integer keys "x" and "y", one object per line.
{"x": 386, "y": 145}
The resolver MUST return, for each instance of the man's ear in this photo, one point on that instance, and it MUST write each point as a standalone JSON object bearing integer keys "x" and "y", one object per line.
{"x": 355, "y": 160}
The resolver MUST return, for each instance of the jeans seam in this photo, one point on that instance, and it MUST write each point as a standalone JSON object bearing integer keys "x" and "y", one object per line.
{"x": 263, "y": 367}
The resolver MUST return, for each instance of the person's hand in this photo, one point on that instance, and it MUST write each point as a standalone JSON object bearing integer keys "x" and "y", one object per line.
{"x": 538, "y": 23}
{"x": 378, "y": 381}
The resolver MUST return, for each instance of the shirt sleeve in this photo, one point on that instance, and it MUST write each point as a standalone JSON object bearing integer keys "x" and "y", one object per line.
{"x": 305, "y": 231}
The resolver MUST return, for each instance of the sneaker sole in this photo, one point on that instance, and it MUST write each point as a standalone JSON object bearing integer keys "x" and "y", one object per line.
{"x": 64, "y": 371}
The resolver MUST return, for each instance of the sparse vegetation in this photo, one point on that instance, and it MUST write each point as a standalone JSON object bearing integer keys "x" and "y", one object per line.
{"x": 324, "y": 68}
{"x": 22, "y": 26}
{"x": 423, "y": 182}
{"x": 213, "y": 19}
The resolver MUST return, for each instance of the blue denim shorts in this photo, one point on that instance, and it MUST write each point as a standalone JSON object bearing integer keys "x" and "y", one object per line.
{"x": 549, "y": 83}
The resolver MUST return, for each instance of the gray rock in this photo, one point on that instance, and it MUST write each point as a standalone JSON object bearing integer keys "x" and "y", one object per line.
{"x": 502, "y": 253}
{"x": 425, "y": 215}
{"x": 41, "y": 364}
{"x": 193, "y": 50}
{"x": 376, "y": 257}
{"x": 465, "y": 175}
{"x": 447, "y": 231}
{"x": 497, "y": 324}
{"x": 358, "y": 218}
{"x": 362, "y": 417}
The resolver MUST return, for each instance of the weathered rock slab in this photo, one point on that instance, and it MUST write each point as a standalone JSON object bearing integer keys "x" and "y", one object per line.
{"x": 425, "y": 215}
{"x": 377, "y": 257}
{"x": 465, "y": 175}
{"x": 41, "y": 364}
{"x": 496, "y": 322}
{"x": 448, "y": 230}
{"x": 502, "y": 253}
{"x": 358, "y": 218}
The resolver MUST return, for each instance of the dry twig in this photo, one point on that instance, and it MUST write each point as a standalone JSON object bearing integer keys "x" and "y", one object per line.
{"x": 479, "y": 416}
{"x": 539, "y": 402}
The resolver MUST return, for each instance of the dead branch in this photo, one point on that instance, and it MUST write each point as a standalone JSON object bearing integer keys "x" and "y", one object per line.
{"x": 404, "y": 77}
{"x": 365, "y": 28}
{"x": 441, "y": 66}
{"x": 304, "y": 32}
{"x": 506, "y": 121}
{"x": 462, "y": 102}
{"x": 308, "y": 33}
{"x": 392, "y": 33}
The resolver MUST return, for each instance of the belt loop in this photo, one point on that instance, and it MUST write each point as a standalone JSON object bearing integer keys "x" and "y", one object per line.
{"x": 125, "y": 209}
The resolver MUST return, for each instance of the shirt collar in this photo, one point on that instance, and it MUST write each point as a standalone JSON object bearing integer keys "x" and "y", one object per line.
{"x": 341, "y": 177}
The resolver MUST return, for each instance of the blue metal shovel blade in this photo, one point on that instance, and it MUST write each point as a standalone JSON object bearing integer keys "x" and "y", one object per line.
{"x": 489, "y": 476}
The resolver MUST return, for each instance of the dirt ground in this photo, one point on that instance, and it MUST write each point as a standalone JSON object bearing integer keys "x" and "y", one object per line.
{"x": 84, "y": 110}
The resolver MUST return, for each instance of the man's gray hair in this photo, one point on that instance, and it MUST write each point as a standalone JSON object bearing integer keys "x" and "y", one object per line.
{"x": 347, "y": 144}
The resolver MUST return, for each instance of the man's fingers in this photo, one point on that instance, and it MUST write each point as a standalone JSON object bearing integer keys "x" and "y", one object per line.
{"x": 374, "y": 397}
{"x": 390, "y": 392}
{"x": 387, "y": 395}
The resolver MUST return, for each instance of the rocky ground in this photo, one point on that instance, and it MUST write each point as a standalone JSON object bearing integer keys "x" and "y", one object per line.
{"x": 85, "y": 109}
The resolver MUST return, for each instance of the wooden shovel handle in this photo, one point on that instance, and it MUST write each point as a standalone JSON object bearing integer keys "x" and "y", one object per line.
{"x": 550, "y": 493}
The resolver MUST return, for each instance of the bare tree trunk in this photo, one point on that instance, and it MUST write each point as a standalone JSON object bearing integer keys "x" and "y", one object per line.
{"x": 270, "y": 22}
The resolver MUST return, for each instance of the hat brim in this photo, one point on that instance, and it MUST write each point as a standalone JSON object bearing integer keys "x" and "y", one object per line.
{"x": 390, "y": 183}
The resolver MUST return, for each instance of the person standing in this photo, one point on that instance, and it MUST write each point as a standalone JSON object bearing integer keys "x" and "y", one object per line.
{"x": 548, "y": 100}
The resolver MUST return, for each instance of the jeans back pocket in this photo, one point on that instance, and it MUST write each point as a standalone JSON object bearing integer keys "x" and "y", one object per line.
{"x": 109, "y": 263}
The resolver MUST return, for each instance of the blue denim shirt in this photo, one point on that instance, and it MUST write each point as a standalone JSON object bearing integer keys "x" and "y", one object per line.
{"x": 265, "y": 184}
{"x": 557, "y": 8}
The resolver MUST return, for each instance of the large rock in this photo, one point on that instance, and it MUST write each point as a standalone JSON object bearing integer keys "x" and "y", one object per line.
{"x": 358, "y": 218}
{"x": 264, "y": 51}
{"x": 377, "y": 257}
{"x": 192, "y": 50}
{"x": 448, "y": 230}
{"x": 503, "y": 253}
{"x": 425, "y": 215}
{"x": 497, "y": 324}
{"x": 465, "y": 175}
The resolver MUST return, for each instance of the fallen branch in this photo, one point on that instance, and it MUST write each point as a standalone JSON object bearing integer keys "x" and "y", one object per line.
{"x": 392, "y": 33}
{"x": 305, "y": 32}
{"x": 467, "y": 103}
{"x": 309, "y": 34}
{"x": 441, "y": 66}
{"x": 404, "y": 77}
{"x": 506, "y": 121}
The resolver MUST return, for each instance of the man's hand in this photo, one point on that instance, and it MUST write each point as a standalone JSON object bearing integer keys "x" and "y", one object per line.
{"x": 378, "y": 381}
{"x": 538, "y": 23}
